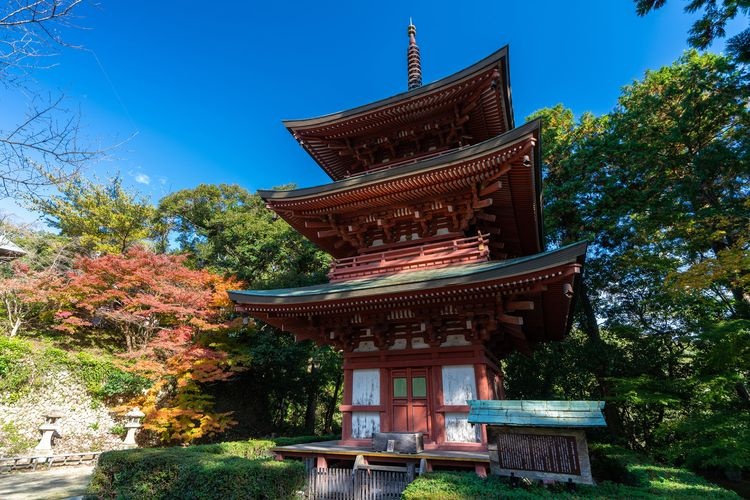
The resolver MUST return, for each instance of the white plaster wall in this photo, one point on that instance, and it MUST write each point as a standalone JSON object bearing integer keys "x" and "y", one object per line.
{"x": 366, "y": 346}
{"x": 459, "y": 384}
{"x": 419, "y": 343}
{"x": 364, "y": 423}
{"x": 366, "y": 387}
{"x": 459, "y": 430}
{"x": 455, "y": 340}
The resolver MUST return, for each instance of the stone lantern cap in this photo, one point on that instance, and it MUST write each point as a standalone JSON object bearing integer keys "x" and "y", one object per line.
{"x": 53, "y": 414}
{"x": 135, "y": 413}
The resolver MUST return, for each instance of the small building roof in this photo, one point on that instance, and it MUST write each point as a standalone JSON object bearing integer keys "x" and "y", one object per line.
{"x": 9, "y": 250}
{"x": 530, "y": 413}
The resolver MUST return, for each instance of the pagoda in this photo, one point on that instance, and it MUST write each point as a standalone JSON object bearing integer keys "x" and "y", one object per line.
{"x": 434, "y": 222}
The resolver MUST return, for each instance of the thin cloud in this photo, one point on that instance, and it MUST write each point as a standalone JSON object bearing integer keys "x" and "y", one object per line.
{"x": 142, "y": 179}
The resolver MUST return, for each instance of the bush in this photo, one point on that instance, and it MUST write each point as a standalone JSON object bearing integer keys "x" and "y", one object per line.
{"x": 288, "y": 441}
{"x": 24, "y": 363}
{"x": 12, "y": 441}
{"x": 252, "y": 448}
{"x": 637, "y": 476}
{"x": 14, "y": 371}
{"x": 234, "y": 470}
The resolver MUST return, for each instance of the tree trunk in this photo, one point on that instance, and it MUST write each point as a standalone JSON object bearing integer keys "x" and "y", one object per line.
{"x": 331, "y": 407}
{"x": 312, "y": 400}
{"x": 16, "y": 326}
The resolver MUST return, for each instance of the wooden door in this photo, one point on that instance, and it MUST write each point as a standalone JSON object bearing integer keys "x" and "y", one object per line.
{"x": 410, "y": 401}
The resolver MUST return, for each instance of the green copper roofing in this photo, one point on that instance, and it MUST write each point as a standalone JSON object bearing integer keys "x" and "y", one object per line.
{"x": 537, "y": 413}
{"x": 414, "y": 280}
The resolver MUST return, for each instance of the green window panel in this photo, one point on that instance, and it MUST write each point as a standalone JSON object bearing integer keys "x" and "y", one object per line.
{"x": 419, "y": 387}
{"x": 399, "y": 387}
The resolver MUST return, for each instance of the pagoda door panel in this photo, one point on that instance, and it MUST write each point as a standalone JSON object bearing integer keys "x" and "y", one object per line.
{"x": 410, "y": 407}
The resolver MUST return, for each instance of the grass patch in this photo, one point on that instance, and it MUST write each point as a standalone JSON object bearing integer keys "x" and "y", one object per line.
{"x": 232, "y": 470}
{"x": 628, "y": 475}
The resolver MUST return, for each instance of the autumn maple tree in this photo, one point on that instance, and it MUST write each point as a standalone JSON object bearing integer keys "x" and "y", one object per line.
{"x": 163, "y": 312}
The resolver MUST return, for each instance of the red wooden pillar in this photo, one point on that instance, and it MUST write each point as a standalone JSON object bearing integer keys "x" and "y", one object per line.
{"x": 438, "y": 417}
{"x": 346, "y": 418}
{"x": 386, "y": 403}
{"x": 484, "y": 391}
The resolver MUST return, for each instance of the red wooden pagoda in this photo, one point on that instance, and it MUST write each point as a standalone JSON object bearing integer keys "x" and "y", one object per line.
{"x": 434, "y": 220}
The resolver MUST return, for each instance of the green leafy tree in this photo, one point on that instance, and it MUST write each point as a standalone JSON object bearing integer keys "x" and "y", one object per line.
{"x": 660, "y": 188}
{"x": 295, "y": 387}
{"x": 105, "y": 219}
{"x": 712, "y": 24}
{"x": 677, "y": 171}
{"x": 230, "y": 230}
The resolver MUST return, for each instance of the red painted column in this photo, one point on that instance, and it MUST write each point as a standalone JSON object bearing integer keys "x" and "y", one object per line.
{"x": 438, "y": 420}
{"x": 385, "y": 400}
{"x": 484, "y": 391}
{"x": 346, "y": 418}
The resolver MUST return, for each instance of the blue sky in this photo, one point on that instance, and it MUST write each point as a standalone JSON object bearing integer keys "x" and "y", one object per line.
{"x": 199, "y": 89}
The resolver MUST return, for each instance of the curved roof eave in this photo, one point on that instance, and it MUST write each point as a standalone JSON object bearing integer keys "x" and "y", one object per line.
{"x": 488, "y": 61}
{"x": 417, "y": 280}
{"x": 409, "y": 169}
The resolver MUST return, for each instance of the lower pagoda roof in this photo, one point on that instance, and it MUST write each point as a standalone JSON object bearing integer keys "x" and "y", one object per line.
{"x": 530, "y": 297}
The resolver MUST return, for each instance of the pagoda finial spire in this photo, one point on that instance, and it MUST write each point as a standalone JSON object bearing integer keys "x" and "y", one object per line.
{"x": 414, "y": 62}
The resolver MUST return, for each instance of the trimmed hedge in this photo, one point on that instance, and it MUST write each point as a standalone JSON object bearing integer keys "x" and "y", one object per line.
{"x": 288, "y": 441}
{"x": 233, "y": 470}
{"x": 636, "y": 478}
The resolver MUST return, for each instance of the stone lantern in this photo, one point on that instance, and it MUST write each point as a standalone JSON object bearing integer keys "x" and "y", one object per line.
{"x": 49, "y": 430}
{"x": 134, "y": 417}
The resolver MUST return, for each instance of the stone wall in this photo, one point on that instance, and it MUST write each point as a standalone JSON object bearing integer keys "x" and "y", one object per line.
{"x": 86, "y": 426}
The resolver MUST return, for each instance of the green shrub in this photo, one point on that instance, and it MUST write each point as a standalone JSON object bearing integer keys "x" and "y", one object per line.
{"x": 15, "y": 372}
{"x": 252, "y": 448}
{"x": 13, "y": 441}
{"x": 643, "y": 478}
{"x": 24, "y": 363}
{"x": 121, "y": 384}
{"x": 288, "y": 441}
{"x": 196, "y": 472}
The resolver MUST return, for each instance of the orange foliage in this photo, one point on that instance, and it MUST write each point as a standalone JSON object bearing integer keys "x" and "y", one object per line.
{"x": 161, "y": 308}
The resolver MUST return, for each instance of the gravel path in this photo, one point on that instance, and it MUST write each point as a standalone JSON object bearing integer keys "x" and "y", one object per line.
{"x": 55, "y": 484}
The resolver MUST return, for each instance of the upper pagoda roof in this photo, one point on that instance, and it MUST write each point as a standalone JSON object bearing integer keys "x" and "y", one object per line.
{"x": 514, "y": 208}
{"x": 478, "y": 97}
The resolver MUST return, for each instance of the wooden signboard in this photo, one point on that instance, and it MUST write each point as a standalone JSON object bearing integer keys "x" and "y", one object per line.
{"x": 540, "y": 453}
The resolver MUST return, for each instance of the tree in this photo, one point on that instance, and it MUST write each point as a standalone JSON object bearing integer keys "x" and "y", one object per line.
{"x": 659, "y": 186}
{"x": 712, "y": 25}
{"x": 138, "y": 294}
{"x": 104, "y": 218}
{"x": 25, "y": 282}
{"x": 229, "y": 230}
{"x": 44, "y": 147}
{"x": 676, "y": 175}
{"x": 167, "y": 317}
